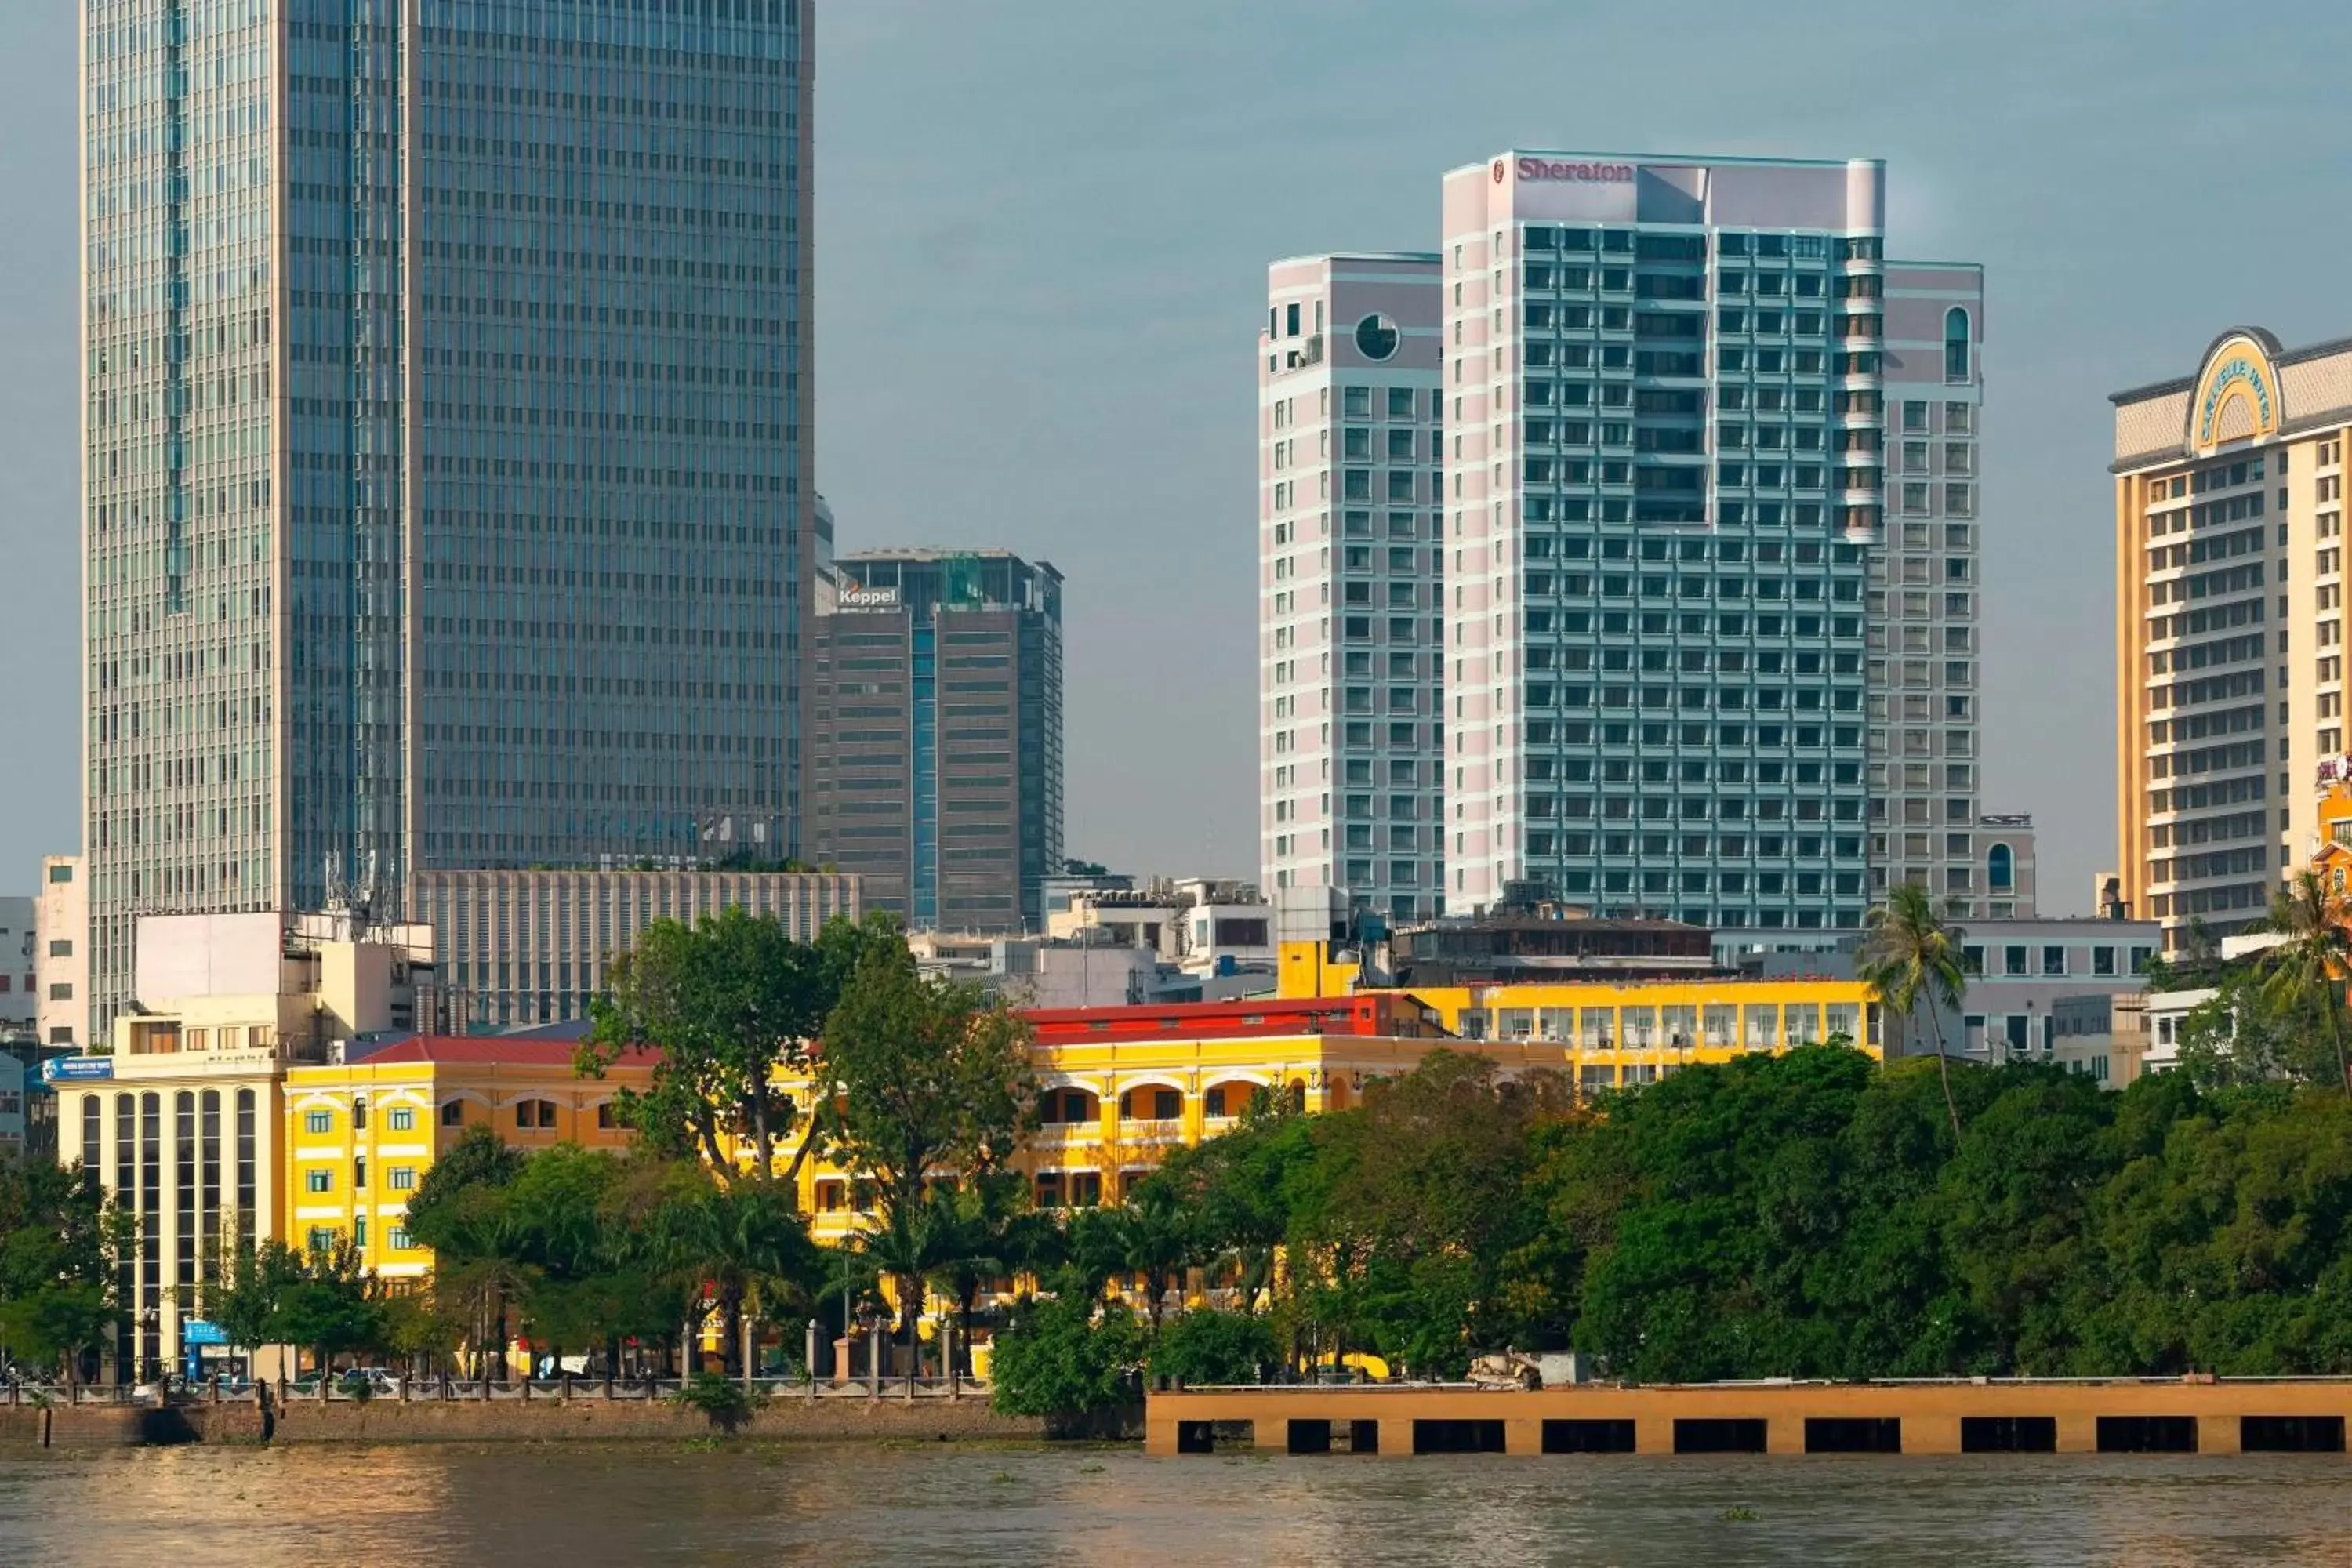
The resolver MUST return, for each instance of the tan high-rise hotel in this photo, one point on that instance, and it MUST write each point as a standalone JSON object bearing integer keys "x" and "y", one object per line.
{"x": 2230, "y": 625}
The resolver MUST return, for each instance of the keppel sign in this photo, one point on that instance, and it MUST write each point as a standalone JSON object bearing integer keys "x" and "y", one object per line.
{"x": 867, "y": 599}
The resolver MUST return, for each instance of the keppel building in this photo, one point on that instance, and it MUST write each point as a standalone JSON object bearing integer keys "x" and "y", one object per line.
{"x": 1665, "y": 421}
{"x": 447, "y": 415}
{"x": 937, "y": 728}
{"x": 2230, "y": 631}
{"x": 1350, "y": 582}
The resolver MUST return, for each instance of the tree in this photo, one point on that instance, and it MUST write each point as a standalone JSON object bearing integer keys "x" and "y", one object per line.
{"x": 2302, "y": 972}
{"x": 327, "y": 1302}
{"x": 58, "y": 1240}
{"x": 1235, "y": 1186}
{"x": 2254, "y": 1030}
{"x": 1400, "y": 1226}
{"x": 1209, "y": 1348}
{"x": 461, "y": 1210}
{"x": 1909, "y": 955}
{"x": 919, "y": 1081}
{"x": 744, "y": 1246}
{"x": 1057, "y": 1359}
{"x": 253, "y": 1280}
{"x": 729, "y": 1002}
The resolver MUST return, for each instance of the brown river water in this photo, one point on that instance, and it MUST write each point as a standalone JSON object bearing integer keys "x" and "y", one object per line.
{"x": 849, "y": 1504}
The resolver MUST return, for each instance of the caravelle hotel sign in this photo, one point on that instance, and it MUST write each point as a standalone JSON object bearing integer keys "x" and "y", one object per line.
{"x": 2237, "y": 398}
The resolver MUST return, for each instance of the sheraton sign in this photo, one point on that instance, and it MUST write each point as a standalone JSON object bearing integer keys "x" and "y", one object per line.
{"x": 1580, "y": 172}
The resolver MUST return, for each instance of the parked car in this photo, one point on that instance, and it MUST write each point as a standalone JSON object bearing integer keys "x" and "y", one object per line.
{"x": 159, "y": 1391}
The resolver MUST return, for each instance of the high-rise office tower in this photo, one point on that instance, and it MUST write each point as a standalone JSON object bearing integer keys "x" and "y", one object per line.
{"x": 1350, "y": 573}
{"x": 447, "y": 399}
{"x": 2230, "y": 626}
{"x": 1663, "y": 387}
{"x": 935, "y": 735}
{"x": 1926, "y": 663}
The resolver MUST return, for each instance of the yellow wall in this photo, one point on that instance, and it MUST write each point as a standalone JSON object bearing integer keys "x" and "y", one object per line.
{"x": 1329, "y": 1072}
{"x": 1717, "y": 1019}
{"x": 321, "y": 1137}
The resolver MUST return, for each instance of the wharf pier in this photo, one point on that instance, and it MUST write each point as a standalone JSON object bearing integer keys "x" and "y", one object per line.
{"x": 2198, "y": 1414}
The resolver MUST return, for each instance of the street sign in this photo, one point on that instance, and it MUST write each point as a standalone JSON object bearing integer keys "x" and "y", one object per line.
{"x": 196, "y": 1331}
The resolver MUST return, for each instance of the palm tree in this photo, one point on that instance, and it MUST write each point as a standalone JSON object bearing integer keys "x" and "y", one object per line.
{"x": 1908, "y": 955}
{"x": 2302, "y": 972}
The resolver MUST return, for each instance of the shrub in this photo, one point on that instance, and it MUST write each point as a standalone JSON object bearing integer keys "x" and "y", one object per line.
{"x": 1057, "y": 1360}
{"x": 1213, "y": 1348}
{"x": 722, "y": 1399}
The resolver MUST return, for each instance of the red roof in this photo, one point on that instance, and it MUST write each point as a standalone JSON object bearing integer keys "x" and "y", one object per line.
{"x": 1376, "y": 1013}
{"x": 490, "y": 1049}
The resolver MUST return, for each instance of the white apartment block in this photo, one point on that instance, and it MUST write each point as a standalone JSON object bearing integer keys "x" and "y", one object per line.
{"x": 61, "y": 937}
{"x": 1927, "y": 821}
{"x": 1351, "y": 583}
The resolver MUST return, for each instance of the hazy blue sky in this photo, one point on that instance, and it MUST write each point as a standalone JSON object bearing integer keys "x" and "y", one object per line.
{"x": 1042, "y": 233}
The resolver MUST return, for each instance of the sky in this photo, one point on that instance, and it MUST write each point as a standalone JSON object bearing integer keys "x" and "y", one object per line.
{"x": 1042, "y": 234}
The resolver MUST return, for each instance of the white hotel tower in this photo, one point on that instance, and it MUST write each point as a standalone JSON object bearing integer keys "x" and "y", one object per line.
{"x": 1350, "y": 609}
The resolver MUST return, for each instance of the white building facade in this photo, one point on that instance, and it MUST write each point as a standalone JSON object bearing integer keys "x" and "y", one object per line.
{"x": 1350, "y": 614}
{"x": 61, "y": 936}
{"x": 1664, "y": 383}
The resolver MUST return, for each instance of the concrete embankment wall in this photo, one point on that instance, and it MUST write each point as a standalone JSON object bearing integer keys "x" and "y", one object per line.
{"x": 84, "y": 1427}
{"x": 547, "y": 1420}
{"x": 474, "y": 1421}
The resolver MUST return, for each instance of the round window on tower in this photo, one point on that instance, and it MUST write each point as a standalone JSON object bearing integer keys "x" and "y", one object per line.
{"x": 1376, "y": 337}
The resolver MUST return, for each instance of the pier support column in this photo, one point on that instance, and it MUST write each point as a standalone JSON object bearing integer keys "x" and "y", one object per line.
{"x": 1523, "y": 1435}
{"x": 1784, "y": 1434}
{"x": 1654, "y": 1435}
{"x": 2078, "y": 1434}
{"x": 1159, "y": 1435}
{"x": 2218, "y": 1435}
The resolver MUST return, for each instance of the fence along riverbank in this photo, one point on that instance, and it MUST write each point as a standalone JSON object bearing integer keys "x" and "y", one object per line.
{"x": 539, "y": 1410}
{"x": 2201, "y": 1415}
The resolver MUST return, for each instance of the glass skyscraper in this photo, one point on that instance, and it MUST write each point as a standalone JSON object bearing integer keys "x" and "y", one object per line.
{"x": 1664, "y": 383}
{"x": 447, "y": 431}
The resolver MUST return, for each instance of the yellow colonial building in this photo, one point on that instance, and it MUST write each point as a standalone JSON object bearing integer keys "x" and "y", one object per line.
{"x": 1122, "y": 1085}
{"x": 1119, "y": 1087}
{"x": 360, "y": 1135}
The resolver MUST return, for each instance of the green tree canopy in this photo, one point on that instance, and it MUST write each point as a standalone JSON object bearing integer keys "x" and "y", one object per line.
{"x": 728, "y": 1003}
{"x": 58, "y": 1239}
{"x": 920, "y": 1082}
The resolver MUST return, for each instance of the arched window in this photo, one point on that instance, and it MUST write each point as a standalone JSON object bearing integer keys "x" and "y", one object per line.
{"x": 1955, "y": 344}
{"x": 1067, "y": 1106}
{"x": 2001, "y": 870}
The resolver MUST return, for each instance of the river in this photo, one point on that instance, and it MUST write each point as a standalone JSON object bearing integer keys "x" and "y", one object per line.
{"x": 852, "y": 1504}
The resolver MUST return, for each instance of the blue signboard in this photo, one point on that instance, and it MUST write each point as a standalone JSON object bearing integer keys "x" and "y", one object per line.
{"x": 196, "y": 1331}
{"x": 64, "y": 1070}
